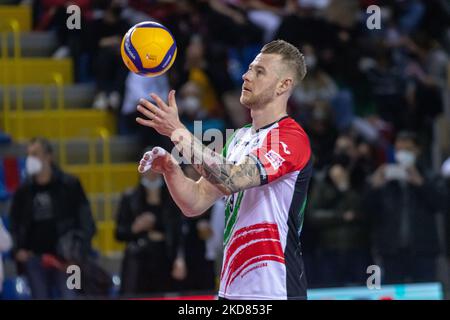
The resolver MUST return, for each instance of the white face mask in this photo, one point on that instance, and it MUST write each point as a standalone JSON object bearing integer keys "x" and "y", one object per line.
{"x": 33, "y": 165}
{"x": 405, "y": 158}
{"x": 445, "y": 169}
{"x": 152, "y": 184}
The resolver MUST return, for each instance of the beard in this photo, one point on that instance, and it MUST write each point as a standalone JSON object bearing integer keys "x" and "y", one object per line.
{"x": 250, "y": 100}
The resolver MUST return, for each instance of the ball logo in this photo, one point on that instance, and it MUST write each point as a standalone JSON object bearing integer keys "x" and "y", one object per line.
{"x": 150, "y": 57}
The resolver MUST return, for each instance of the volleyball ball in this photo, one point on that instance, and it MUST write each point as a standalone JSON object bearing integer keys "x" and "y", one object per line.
{"x": 148, "y": 49}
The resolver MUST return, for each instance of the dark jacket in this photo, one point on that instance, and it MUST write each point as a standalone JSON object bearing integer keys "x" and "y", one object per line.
{"x": 326, "y": 215}
{"x": 394, "y": 206}
{"x": 132, "y": 204}
{"x": 70, "y": 206}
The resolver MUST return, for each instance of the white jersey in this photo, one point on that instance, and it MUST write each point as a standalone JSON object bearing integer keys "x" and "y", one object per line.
{"x": 262, "y": 253}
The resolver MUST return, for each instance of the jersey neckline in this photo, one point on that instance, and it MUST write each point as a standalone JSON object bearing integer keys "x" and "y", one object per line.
{"x": 270, "y": 124}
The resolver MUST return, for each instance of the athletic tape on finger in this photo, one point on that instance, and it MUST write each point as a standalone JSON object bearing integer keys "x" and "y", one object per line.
{"x": 152, "y": 155}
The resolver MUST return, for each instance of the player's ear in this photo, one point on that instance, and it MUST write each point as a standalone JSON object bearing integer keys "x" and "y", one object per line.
{"x": 285, "y": 85}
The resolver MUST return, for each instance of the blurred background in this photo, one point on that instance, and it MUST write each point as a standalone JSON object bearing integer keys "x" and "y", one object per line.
{"x": 375, "y": 104}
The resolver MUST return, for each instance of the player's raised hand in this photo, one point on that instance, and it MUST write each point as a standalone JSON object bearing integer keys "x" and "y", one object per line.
{"x": 158, "y": 160}
{"x": 163, "y": 117}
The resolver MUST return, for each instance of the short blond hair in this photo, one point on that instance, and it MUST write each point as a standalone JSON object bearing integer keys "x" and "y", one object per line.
{"x": 294, "y": 59}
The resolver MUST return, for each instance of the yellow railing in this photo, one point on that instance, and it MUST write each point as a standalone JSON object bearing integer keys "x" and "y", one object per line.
{"x": 58, "y": 82}
{"x": 104, "y": 239}
{"x": 106, "y": 168}
{"x": 14, "y": 25}
{"x": 60, "y": 109}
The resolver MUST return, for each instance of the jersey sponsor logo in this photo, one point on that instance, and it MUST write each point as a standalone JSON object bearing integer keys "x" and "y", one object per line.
{"x": 274, "y": 158}
{"x": 285, "y": 147}
{"x": 248, "y": 248}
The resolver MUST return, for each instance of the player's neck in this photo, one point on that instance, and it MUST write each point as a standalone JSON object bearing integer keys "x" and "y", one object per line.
{"x": 263, "y": 117}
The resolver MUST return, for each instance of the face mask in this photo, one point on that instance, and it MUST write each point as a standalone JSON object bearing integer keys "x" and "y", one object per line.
{"x": 152, "y": 184}
{"x": 33, "y": 165}
{"x": 405, "y": 158}
{"x": 191, "y": 104}
{"x": 445, "y": 169}
{"x": 342, "y": 186}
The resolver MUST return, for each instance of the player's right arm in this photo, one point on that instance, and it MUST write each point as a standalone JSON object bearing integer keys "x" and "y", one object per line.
{"x": 192, "y": 197}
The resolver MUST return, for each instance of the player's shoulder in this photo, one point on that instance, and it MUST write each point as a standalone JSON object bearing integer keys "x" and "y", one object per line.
{"x": 289, "y": 127}
{"x": 290, "y": 124}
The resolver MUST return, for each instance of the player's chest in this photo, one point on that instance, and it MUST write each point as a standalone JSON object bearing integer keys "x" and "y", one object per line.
{"x": 244, "y": 145}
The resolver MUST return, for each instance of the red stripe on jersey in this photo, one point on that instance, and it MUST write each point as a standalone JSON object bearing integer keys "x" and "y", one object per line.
{"x": 285, "y": 149}
{"x": 250, "y": 233}
{"x": 264, "y": 247}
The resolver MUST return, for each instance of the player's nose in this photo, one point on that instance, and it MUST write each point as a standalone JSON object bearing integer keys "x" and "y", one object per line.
{"x": 246, "y": 77}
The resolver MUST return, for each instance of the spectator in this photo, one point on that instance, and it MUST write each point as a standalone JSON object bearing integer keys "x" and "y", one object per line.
{"x": 427, "y": 77}
{"x": 402, "y": 202}
{"x": 53, "y": 15}
{"x": 106, "y": 37}
{"x": 364, "y": 165}
{"x": 343, "y": 241}
{"x": 319, "y": 88}
{"x": 146, "y": 221}
{"x": 197, "y": 69}
{"x": 5, "y": 245}
{"x": 410, "y": 14}
{"x": 322, "y": 135}
{"x": 387, "y": 85}
{"x": 46, "y": 210}
{"x": 191, "y": 110}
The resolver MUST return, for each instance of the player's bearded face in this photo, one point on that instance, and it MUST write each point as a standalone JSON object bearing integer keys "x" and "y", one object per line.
{"x": 260, "y": 81}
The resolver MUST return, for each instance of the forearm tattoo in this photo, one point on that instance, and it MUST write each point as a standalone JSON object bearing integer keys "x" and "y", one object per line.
{"x": 227, "y": 177}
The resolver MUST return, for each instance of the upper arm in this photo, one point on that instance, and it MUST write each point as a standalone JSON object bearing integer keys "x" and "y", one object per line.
{"x": 282, "y": 152}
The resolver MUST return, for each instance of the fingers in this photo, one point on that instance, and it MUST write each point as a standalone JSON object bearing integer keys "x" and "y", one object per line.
{"x": 148, "y": 158}
{"x": 146, "y": 162}
{"x": 161, "y": 104}
{"x": 147, "y": 123}
{"x": 171, "y": 99}
{"x": 158, "y": 152}
{"x": 147, "y": 113}
{"x": 151, "y": 107}
{"x": 144, "y": 166}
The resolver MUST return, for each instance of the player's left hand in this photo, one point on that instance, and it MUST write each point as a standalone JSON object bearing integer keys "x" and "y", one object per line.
{"x": 163, "y": 117}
